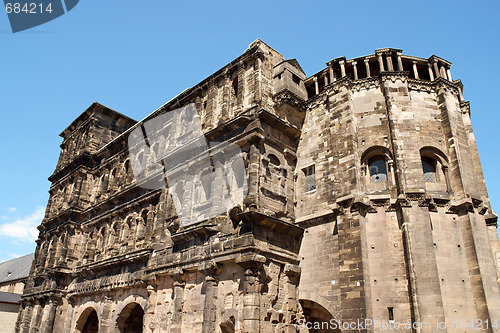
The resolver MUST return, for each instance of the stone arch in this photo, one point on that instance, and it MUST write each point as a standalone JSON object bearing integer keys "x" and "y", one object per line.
{"x": 130, "y": 314}
{"x": 125, "y": 230}
{"x": 88, "y": 320}
{"x": 374, "y": 151}
{"x": 112, "y": 234}
{"x": 316, "y": 309}
{"x": 439, "y": 161}
{"x": 433, "y": 152}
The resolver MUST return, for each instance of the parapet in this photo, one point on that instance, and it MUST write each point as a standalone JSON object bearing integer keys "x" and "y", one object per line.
{"x": 384, "y": 60}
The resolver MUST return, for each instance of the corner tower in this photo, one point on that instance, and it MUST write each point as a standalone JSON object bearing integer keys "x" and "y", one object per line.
{"x": 399, "y": 219}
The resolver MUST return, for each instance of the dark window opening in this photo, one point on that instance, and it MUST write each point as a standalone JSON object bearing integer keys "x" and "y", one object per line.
{"x": 391, "y": 313}
{"x": 295, "y": 79}
{"x": 235, "y": 86}
{"x": 423, "y": 71}
{"x": 310, "y": 174}
{"x": 378, "y": 169}
{"x": 361, "y": 68}
{"x": 374, "y": 67}
{"x": 429, "y": 167}
{"x": 274, "y": 160}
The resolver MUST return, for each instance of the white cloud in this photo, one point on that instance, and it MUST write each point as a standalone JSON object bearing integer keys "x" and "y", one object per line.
{"x": 12, "y": 209}
{"x": 24, "y": 229}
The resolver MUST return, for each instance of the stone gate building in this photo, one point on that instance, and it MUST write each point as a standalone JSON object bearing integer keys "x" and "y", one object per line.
{"x": 366, "y": 200}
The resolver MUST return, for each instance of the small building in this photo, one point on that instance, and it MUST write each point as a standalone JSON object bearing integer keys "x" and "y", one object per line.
{"x": 13, "y": 276}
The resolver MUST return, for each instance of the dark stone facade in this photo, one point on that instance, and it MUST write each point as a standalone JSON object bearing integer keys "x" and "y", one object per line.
{"x": 366, "y": 201}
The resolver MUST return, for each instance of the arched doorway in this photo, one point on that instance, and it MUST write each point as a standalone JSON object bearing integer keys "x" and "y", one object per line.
{"x": 131, "y": 318}
{"x": 318, "y": 317}
{"x": 88, "y": 322}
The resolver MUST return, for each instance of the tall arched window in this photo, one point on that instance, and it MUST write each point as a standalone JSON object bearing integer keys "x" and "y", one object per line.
{"x": 378, "y": 169}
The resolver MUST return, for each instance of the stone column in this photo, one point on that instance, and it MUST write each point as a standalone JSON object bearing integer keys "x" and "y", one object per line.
{"x": 69, "y": 314}
{"x": 400, "y": 62}
{"x": 388, "y": 58}
{"x": 149, "y": 323}
{"x": 442, "y": 71}
{"x": 251, "y": 301}
{"x": 241, "y": 84}
{"x": 35, "y": 318}
{"x": 431, "y": 74}
{"x": 380, "y": 62}
{"x": 258, "y": 78}
{"x": 316, "y": 86}
{"x": 355, "y": 68}
{"x": 449, "y": 74}
{"x": 251, "y": 263}
{"x": 342, "y": 68}
{"x": 20, "y": 316}
{"x": 436, "y": 68}
{"x": 392, "y": 171}
{"x": 325, "y": 79}
{"x": 367, "y": 66}
{"x": 226, "y": 103}
{"x": 49, "y": 314}
{"x": 105, "y": 321}
{"x": 252, "y": 200}
{"x": 179, "y": 284}
{"x": 210, "y": 304}
{"x": 291, "y": 304}
{"x": 415, "y": 69}
{"x": 333, "y": 77}
{"x": 24, "y": 320}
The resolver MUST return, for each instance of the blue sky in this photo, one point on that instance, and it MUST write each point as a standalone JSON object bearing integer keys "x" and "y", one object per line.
{"x": 133, "y": 56}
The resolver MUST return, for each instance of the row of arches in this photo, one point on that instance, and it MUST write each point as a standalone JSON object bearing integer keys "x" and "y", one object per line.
{"x": 85, "y": 190}
{"x": 109, "y": 238}
{"x": 130, "y": 319}
{"x": 118, "y": 237}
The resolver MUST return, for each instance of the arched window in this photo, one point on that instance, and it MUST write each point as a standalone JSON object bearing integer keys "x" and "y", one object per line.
{"x": 429, "y": 167}
{"x": 378, "y": 169}
{"x": 435, "y": 169}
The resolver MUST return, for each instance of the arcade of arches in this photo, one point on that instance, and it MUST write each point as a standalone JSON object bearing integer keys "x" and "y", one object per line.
{"x": 130, "y": 320}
